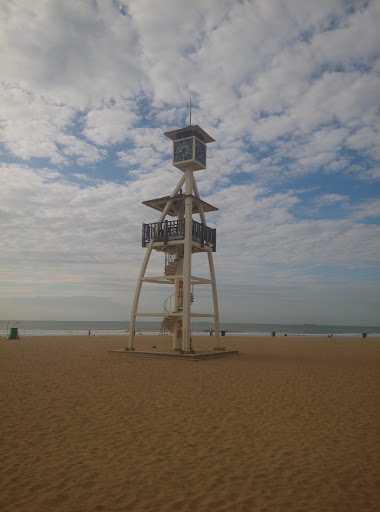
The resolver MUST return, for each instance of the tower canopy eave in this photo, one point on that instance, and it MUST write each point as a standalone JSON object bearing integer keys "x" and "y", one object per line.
{"x": 188, "y": 132}
{"x": 177, "y": 204}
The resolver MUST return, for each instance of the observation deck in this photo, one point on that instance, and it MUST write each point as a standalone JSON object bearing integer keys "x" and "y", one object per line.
{"x": 171, "y": 232}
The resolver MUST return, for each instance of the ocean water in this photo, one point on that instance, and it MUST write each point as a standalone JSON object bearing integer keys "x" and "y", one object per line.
{"x": 69, "y": 328}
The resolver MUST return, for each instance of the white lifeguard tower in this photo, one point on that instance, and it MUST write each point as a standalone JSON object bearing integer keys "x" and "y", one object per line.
{"x": 178, "y": 240}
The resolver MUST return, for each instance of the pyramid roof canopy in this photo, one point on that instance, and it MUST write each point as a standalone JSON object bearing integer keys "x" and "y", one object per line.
{"x": 192, "y": 129}
{"x": 177, "y": 204}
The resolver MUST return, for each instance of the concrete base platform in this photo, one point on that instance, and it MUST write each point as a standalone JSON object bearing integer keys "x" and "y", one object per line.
{"x": 192, "y": 356}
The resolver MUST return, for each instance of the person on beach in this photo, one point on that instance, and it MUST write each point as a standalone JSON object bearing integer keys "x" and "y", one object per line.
{"x": 285, "y": 332}
{"x": 89, "y": 332}
{"x": 211, "y": 332}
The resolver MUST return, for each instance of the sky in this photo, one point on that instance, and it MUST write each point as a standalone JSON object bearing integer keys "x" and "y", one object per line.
{"x": 288, "y": 89}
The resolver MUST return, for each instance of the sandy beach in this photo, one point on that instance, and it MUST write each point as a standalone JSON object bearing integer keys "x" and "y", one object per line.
{"x": 288, "y": 424}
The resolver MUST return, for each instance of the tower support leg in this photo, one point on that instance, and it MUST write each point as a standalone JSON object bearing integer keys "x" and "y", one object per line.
{"x": 186, "y": 331}
{"x": 212, "y": 276}
{"x": 215, "y": 299}
{"x": 132, "y": 323}
{"x": 143, "y": 269}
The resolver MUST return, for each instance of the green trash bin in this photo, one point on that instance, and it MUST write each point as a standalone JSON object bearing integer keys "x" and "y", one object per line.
{"x": 364, "y": 334}
{"x": 13, "y": 335}
{"x": 273, "y": 334}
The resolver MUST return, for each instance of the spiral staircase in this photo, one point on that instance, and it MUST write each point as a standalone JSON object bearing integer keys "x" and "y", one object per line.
{"x": 169, "y": 321}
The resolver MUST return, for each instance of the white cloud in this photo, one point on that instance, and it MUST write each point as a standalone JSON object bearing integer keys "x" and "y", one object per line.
{"x": 331, "y": 199}
{"x": 109, "y": 126}
{"x": 365, "y": 139}
{"x": 369, "y": 209}
{"x": 358, "y": 33}
{"x": 79, "y": 149}
{"x": 76, "y": 52}
{"x": 268, "y": 233}
{"x": 31, "y": 125}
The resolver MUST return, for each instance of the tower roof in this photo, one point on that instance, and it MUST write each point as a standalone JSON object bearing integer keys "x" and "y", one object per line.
{"x": 177, "y": 202}
{"x": 192, "y": 129}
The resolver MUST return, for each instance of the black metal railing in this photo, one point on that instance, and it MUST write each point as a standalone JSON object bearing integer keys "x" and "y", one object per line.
{"x": 170, "y": 230}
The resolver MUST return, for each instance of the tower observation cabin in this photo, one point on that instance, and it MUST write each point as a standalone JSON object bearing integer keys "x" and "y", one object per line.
{"x": 178, "y": 236}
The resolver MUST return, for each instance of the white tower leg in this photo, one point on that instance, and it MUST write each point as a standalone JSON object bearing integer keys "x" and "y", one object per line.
{"x": 186, "y": 347}
{"x": 214, "y": 298}
{"x": 143, "y": 270}
{"x": 212, "y": 276}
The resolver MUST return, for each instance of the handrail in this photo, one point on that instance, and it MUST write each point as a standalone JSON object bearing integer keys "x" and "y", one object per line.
{"x": 175, "y": 230}
{"x": 169, "y": 259}
{"x": 170, "y": 303}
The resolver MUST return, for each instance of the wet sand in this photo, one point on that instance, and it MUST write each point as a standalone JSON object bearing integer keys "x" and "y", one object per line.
{"x": 288, "y": 424}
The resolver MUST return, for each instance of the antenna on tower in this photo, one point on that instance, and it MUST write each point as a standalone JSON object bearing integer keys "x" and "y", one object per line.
{"x": 190, "y": 113}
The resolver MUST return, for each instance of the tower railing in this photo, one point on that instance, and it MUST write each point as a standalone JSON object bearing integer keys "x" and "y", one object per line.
{"x": 170, "y": 230}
